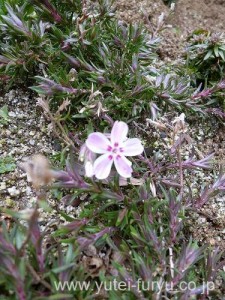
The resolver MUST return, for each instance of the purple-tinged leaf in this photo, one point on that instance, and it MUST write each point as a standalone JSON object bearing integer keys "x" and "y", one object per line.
{"x": 76, "y": 225}
{"x": 205, "y": 163}
{"x": 175, "y": 222}
{"x": 56, "y": 16}
{"x": 188, "y": 256}
{"x": 91, "y": 239}
{"x": 36, "y": 239}
{"x": 216, "y": 111}
{"x": 6, "y": 246}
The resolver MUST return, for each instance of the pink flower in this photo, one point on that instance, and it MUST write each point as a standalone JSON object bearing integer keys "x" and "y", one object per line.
{"x": 88, "y": 157}
{"x": 114, "y": 151}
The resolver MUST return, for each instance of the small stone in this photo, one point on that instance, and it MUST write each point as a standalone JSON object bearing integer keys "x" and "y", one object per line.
{"x": 32, "y": 142}
{"x": 201, "y": 220}
{"x": 11, "y": 95}
{"x": 32, "y": 133}
{"x": 13, "y": 191}
{"x": 2, "y": 186}
{"x": 9, "y": 202}
{"x": 20, "y": 116}
{"x": 28, "y": 190}
{"x": 12, "y": 114}
{"x": 212, "y": 241}
{"x": 201, "y": 132}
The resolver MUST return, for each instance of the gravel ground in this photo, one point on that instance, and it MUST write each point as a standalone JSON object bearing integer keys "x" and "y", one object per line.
{"x": 23, "y": 136}
{"x": 26, "y": 134}
{"x": 188, "y": 16}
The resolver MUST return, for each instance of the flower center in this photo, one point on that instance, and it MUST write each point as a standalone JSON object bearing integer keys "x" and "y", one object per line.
{"x": 115, "y": 149}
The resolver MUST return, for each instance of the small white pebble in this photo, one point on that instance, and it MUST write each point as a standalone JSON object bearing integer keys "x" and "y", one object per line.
{"x": 12, "y": 114}
{"x": 2, "y": 186}
{"x": 13, "y": 191}
{"x": 32, "y": 142}
{"x": 28, "y": 190}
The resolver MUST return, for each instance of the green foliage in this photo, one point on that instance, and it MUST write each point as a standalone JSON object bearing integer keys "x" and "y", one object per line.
{"x": 7, "y": 164}
{"x": 77, "y": 49}
{"x": 86, "y": 54}
{"x": 4, "y": 117}
{"x": 206, "y": 56}
{"x": 136, "y": 248}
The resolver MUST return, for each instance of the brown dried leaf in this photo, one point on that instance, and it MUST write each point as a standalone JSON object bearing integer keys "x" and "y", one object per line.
{"x": 63, "y": 106}
{"x": 38, "y": 171}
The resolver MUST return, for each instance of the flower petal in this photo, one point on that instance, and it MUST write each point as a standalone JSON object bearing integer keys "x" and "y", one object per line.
{"x": 82, "y": 152}
{"x": 132, "y": 147}
{"x": 119, "y": 132}
{"x": 103, "y": 165}
{"x": 123, "y": 166}
{"x": 89, "y": 172}
{"x": 97, "y": 143}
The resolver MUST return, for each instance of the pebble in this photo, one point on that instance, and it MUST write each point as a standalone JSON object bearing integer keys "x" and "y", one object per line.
{"x": 12, "y": 114}
{"x": 32, "y": 142}
{"x": 212, "y": 242}
{"x": 28, "y": 190}
{"x": 2, "y": 186}
{"x": 201, "y": 220}
{"x": 13, "y": 191}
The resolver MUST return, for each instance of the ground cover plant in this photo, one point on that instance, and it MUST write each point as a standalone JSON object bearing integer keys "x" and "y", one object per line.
{"x": 129, "y": 161}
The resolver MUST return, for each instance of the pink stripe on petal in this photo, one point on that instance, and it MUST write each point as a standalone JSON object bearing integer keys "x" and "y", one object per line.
{"x": 119, "y": 132}
{"x": 102, "y": 166}
{"x": 123, "y": 166}
{"x": 132, "y": 147}
{"x": 97, "y": 143}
